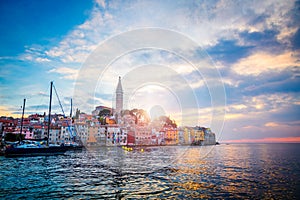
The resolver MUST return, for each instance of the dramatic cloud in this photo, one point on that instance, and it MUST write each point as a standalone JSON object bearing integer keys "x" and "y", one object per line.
{"x": 261, "y": 62}
{"x": 251, "y": 46}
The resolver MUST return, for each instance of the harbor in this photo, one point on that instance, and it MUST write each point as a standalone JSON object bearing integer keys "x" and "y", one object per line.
{"x": 116, "y": 126}
{"x": 149, "y": 99}
{"x": 234, "y": 171}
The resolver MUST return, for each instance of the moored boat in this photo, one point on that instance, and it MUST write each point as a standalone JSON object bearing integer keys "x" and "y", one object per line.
{"x": 34, "y": 149}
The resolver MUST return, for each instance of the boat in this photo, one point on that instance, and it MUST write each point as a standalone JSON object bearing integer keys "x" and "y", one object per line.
{"x": 34, "y": 149}
{"x": 73, "y": 146}
{"x": 16, "y": 151}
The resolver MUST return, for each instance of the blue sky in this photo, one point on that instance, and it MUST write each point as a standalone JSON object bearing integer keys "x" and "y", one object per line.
{"x": 241, "y": 77}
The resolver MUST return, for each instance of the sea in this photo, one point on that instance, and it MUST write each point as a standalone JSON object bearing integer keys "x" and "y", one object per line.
{"x": 226, "y": 171}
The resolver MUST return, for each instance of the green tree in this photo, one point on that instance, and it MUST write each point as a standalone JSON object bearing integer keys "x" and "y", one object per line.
{"x": 102, "y": 120}
{"x": 104, "y": 113}
{"x": 77, "y": 113}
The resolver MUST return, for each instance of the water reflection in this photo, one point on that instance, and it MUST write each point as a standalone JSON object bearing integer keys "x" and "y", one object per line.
{"x": 226, "y": 171}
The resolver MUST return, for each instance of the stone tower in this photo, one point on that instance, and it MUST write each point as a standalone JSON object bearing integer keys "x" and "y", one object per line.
{"x": 119, "y": 97}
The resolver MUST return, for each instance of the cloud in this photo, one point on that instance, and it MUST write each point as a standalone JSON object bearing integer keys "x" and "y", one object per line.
{"x": 266, "y": 140}
{"x": 42, "y": 59}
{"x": 271, "y": 124}
{"x": 261, "y": 62}
{"x": 101, "y": 3}
{"x": 253, "y": 43}
{"x": 67, "y": 73}
{"x": 206, "y": 22}
{"x": 6, "y": 111}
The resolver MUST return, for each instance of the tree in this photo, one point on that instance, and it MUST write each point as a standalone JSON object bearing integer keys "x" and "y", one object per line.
{"x": 140, "y": 115}
{"x": 104, "y": 113}
{"x": 167, "y": 121}
{"x": 77, "y": 113}
{"x": 102, "y": 120}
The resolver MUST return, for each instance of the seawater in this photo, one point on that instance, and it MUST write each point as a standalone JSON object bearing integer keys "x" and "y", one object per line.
{"x": 235, "y": 171}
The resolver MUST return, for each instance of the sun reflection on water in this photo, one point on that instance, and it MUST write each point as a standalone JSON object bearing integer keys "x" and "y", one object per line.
{"x": 226, "y": 172}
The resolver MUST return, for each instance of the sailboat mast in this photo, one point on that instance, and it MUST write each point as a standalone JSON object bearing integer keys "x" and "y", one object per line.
{"x": 71, "y": 109}
{"x": 22, "y": 120}
{"x": 49, "y": 120}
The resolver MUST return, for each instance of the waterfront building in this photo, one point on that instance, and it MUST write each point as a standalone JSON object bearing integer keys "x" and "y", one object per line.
{"x": 36, "y": 118}
{"x": 171, "y": 135}
{"x": 142, "y": 134}
{"x": 162, "y": 139}
{"x": 39, "y": 131}
{"x": 93, "y": 133}
{"x": 194, "y": 135}
{"x": 130, "y": 137}
{"x": 209, "y": 137}
{"x": 127, "y": 122}
{"x": 199, "y": 135}
{"x": 81, "y": 131}
{"x": 154, "y": 136}
{"x": 67, "y": 133}
{"x": 157, "y": 137}
{"x": 93, "y": 130}
{"x": 8, "y": 124}
{"x": 101, "y": 136}
{"x": 84, "y": 117}
{"x": 54, "y": 135}
{"x": 181, "y": 140}
{"x": 28, "y": 133}
{"x": 115, "y": 135}
{"x": 123, "y": 139}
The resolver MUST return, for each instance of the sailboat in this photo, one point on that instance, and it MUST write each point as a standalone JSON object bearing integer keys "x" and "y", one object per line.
{"x": 35, "y": 150}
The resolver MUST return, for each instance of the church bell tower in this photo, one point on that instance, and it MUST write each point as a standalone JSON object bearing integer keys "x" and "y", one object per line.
{"x": 119, "y": 97}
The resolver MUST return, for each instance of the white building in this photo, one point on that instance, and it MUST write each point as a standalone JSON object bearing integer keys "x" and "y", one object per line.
{"x": 82, "y": 131}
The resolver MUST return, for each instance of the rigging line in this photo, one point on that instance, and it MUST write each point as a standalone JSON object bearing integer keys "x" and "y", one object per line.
{"x": 58, "y": 100}
{"x": 71, "y": 134}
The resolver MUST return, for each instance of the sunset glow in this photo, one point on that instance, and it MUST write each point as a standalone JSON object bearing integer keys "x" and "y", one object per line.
{"x": 232, "y": 66}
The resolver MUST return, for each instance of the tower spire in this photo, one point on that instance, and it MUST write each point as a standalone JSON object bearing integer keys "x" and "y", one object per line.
{"x": 119, "y": 87}
{"x": 119, "y": 97}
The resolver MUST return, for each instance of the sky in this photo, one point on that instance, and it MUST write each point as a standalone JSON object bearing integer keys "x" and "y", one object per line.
{"x": 229, "y": 65}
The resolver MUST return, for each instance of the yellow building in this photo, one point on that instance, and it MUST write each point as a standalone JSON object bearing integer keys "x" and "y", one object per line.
{"x": 186, "y": 135}
{"x": 171, "y": 135}
{"x": 193, "y": 135}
